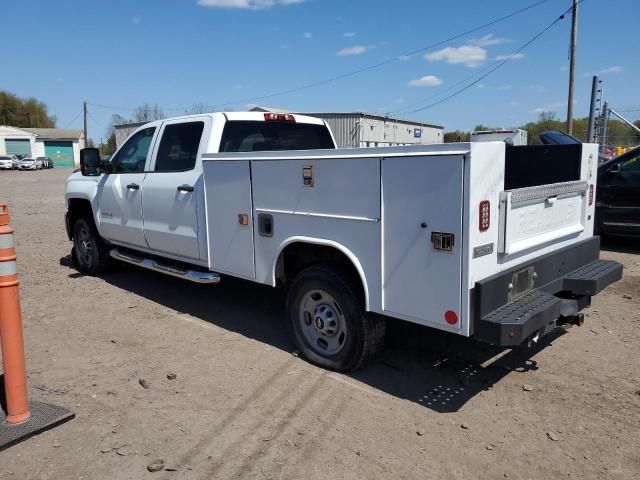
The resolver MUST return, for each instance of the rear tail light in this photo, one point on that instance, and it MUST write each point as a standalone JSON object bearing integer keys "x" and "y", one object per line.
{"x": 591, "y": 194}
{"x": 484, "y": 215}
{"x": 279, "y": 117}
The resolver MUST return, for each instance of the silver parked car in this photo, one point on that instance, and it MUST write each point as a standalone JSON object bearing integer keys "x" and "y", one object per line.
{"x": 9, "y": 162}
{"x": 28, "y": 163}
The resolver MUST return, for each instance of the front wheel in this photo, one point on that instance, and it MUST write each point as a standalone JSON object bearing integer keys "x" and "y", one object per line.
{"x": 90, "y": 253}
{"x": 328, "y": 323}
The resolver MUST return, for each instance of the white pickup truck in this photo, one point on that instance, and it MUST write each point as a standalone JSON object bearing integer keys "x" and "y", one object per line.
{"x": 478, "y": 239}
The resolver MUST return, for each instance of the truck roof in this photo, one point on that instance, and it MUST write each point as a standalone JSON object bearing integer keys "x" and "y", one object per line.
{"x": 503, "y": 130}
{"x": 238, "y": 116}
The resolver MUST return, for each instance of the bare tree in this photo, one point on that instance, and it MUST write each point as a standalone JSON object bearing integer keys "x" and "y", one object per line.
{"x": 148, "y": 113}
{"x": 198, "y": 108}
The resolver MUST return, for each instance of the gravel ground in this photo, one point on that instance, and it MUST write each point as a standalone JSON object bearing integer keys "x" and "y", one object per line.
{"x": 242, "y": 406}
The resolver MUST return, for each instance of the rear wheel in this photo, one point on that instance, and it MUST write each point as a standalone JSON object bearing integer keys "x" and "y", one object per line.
{"x": 328, "y": 322}
{"x": 90, "y": 253}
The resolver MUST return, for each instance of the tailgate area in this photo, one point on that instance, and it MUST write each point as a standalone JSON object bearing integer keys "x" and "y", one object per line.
{"x": 508, "y": 310}
{"x": 535, "y": 216}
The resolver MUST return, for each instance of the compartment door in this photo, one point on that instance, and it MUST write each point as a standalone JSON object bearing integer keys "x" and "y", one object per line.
{"x": 227, "y": 186}
{"x": 422, "y": 238}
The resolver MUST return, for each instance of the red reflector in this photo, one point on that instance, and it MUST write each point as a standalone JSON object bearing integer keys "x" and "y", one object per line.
{"x": 451, "y": 317}
{"x": 484, "y": 215}
{"x": 590, "y": 194}
{"x": 279, "y": 117}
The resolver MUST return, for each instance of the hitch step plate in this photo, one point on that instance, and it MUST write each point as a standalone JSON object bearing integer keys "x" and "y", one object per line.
{"x": 592, "y": 278}
{"x": 511, "y": 324}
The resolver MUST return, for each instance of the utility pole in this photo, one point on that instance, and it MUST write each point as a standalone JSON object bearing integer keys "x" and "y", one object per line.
{"x": 572, "y": 65}
{"x": 605, "y": 121}
{"x": 84, "y": 110}
{"x": 591, "y": 136}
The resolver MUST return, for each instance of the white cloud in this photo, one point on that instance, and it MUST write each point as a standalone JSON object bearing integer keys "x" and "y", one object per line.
{"x": 426, "y": 81}
{"x": 468, "y": 55}
{"x": 307, "y": 35}
{"x": 514, "y": 56}
{"x": 551, "y": 108}
{"x": 246, "y": 4}
{"x": 614, "y": 69}
{"x": 350, "y": 34}
{"x": 502, "y": 88}
{"x": 487, "y": 41}
{"x": 356, "y": 50}
{"x": 536, "y": 87}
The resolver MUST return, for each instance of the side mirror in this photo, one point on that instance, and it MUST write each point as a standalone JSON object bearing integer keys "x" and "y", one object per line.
{"x": 615, "y": 168}
{"x": 90, "y": 162}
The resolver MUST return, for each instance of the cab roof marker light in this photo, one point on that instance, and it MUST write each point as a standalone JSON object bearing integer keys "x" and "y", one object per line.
{"x": 279, "y": 117}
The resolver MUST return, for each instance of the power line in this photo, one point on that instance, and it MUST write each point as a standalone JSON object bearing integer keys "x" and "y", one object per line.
{"x": 96, "y": 121}
{"x": 496, "y": 65}
{"x": 353, "y": 72}
{"x": 384, "y": 62}
{"x": 74, "y": 119}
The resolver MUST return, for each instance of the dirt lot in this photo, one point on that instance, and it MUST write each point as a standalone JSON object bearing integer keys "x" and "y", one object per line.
{"x": 242, "y": 406}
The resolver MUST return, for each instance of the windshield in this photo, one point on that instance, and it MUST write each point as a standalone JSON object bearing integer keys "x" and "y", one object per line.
{"x": 558, "y": 138}
{"x": 254, "y": 136}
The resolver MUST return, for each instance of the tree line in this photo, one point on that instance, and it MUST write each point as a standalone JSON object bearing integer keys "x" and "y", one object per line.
{"x": 142, "y": 113}
{"x": 618, "y": 133}
{"x": 24, "y": 112}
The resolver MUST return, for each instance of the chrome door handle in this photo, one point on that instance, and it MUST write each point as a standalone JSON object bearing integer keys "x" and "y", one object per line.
{"x": 133, "y": 186}
{"x": 185, "y": 188}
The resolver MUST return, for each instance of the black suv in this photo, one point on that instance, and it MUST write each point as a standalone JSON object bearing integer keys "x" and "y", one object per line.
{"x": 618, "y": 197}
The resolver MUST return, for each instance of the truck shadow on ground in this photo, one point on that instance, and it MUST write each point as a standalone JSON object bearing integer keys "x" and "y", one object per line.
{"x": 437, "y": 370}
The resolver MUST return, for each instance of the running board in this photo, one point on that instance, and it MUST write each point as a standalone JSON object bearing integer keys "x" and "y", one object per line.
{"x": 149, "y": 264}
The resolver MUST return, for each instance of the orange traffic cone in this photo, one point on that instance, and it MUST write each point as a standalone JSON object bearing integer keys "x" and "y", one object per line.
{"x": 11, "y": 341}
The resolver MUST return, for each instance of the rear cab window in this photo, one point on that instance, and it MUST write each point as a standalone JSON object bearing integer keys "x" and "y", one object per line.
{"x": 256, "y": 136}
{"x": 178, "y": 149}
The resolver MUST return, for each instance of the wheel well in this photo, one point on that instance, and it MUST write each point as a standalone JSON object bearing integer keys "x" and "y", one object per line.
{"x": 299, "y": 255}
{"x": 78, "y": 207}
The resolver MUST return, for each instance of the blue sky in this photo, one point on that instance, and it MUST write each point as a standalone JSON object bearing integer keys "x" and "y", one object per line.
{"x": 122, "y": 53}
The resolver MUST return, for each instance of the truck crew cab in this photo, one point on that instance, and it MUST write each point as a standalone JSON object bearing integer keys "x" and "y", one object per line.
{"x": 477, "y": 239}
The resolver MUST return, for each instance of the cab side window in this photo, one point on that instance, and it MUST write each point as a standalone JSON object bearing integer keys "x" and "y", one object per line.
{"x": 178, "y": 149}
{"x": 631, "y": 165}
{"x": 132, "y": 157}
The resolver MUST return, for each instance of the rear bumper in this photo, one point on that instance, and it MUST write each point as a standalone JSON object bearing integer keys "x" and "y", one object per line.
{"x": 564, "y": 283}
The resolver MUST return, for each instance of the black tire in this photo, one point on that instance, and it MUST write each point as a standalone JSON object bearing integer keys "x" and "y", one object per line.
{"x": 363, "y": 332}
{"x": 90, "y": 253}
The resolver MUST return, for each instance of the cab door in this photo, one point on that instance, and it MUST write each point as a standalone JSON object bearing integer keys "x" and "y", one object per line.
{"x": 173, "y": 189}
{"x": 619, "y": 196}
{"x": 120, "y": 194}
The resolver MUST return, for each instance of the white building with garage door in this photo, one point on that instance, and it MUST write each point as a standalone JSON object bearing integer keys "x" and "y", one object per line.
{"x": 62, "y": 145}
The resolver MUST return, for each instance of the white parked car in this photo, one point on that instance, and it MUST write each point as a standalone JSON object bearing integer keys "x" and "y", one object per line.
{"x": 30, "y": 164}
{"x": 8, "y": 162}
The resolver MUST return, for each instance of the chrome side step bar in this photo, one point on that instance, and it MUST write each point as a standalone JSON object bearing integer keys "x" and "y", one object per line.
{"x": 191, "y": 275}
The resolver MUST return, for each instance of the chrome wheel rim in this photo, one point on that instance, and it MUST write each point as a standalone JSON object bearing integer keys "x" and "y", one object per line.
{"x": 322, "y": 322}
{"x": 84, "y": 245}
